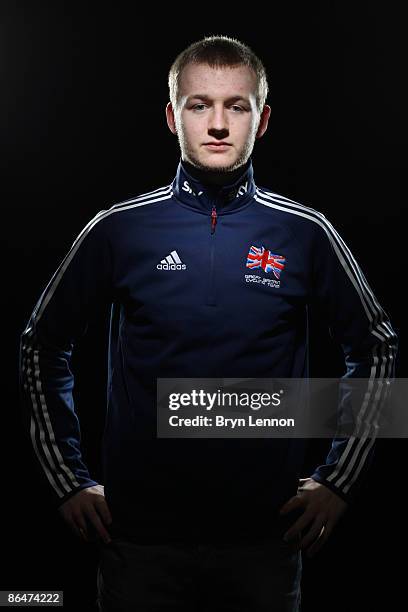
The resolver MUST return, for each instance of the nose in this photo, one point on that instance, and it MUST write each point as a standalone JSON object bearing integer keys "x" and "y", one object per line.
{"x": 218, "y": 123}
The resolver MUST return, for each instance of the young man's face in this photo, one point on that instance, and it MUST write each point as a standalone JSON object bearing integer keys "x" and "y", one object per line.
{"x": 217, "y": 105}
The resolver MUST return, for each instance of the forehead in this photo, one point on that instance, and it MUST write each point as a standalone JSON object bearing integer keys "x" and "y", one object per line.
{"x": 201, "y": 78}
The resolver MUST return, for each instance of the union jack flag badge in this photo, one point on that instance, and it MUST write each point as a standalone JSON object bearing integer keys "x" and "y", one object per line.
{"x": 259, "y": 257}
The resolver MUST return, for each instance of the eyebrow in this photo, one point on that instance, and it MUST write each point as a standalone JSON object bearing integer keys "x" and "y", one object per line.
{"x": 207, "y": 98}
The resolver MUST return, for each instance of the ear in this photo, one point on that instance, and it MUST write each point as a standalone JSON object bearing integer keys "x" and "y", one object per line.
{"x": 170, "y": 118}
{"x": 263, "y": 122}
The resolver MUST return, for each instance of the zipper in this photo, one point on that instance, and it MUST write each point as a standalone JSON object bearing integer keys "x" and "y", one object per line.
{"x": 211, "y": 284}
{"x": 213, "y": 218}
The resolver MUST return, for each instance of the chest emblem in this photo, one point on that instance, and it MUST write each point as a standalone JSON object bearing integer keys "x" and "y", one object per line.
{"x": 171, "y": 262}
{"x": 259, "y": 257}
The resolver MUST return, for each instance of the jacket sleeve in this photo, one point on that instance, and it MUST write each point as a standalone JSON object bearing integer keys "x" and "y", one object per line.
{"x": 81, "y": 283}
{"x": 359, "y": 324}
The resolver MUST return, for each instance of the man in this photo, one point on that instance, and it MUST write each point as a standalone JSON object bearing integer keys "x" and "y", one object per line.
{"x": 178, "y": 265}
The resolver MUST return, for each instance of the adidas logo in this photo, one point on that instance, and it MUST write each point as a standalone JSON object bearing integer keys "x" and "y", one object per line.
{"x": 171, "y": 262}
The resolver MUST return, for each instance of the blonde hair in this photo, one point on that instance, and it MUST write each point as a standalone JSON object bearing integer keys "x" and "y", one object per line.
{"x": 218, "y": 52}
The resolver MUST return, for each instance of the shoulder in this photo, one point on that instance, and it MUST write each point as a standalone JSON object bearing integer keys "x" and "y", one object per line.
{"x": 142, "y": 200}
{"x": 110, "y": 222}
{"x": 287, "y": 208}
{"x": 121, "y": 211}
{"x": 294, "y": 214}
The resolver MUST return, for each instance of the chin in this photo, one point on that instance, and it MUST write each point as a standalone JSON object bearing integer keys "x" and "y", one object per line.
{"x": 210, "y": 161}
{"x": 218, "y": 161}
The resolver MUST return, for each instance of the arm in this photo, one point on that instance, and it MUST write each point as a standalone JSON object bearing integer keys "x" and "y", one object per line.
{"x": 358, "y": 323}
{"x": 362, "y": 328}
{"x": 81, "y": 283}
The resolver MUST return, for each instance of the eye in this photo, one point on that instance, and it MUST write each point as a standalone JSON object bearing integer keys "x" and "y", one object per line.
{"x": 234, "y": 106}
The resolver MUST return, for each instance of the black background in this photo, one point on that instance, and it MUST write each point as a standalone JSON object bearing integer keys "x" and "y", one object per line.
{"x": 84, "y": 88}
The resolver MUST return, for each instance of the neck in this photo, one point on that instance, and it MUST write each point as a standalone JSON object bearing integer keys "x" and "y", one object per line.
{"x": 214, "y": 177}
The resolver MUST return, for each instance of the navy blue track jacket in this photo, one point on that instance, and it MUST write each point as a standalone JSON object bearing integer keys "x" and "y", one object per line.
{"x": 173, "y": 265}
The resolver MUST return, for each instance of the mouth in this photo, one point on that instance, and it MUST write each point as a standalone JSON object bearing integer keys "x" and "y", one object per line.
{"x": 222, "y": 146}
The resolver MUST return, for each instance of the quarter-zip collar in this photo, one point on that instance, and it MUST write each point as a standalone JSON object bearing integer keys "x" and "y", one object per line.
{"x": 203, "y": 197}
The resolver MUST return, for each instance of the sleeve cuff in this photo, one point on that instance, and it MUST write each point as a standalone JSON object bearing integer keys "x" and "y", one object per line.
{"x": 62, "y": 500}
{"x": 344, "y": 496}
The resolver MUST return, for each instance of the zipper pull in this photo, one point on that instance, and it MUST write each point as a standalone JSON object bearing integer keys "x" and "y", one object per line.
{"x": 213, "y": 219}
